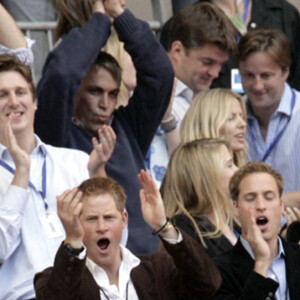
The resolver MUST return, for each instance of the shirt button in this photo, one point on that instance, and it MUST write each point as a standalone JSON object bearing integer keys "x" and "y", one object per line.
{"x": 268, "y": 298}
{"x": 72, "y": 259}
{"x": 270, "y": 294}
{"x": 253, "y": 25}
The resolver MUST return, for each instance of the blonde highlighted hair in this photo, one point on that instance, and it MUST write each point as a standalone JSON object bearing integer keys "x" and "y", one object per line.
{"x": 207, "y": 114}
{"x": 192, "y": 185}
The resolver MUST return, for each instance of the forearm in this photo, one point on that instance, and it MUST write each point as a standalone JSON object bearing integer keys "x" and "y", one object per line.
{"x": 154, "y": 78}
{"x": 199, "y": 275}
{"x": 52, "y": 283}
{"x": 291, "y": 199}
{"x": 10, "y": 34}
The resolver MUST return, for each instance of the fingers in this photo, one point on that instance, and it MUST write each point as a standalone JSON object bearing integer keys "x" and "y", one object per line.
{"x": 292, "y": 214}
{"x": 68, "y": 203}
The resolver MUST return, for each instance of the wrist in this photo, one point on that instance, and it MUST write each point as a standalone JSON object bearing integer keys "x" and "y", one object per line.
{"x": 163, "y": 228}
{"x": 74, "y": 243}
{"x": 169, "y": 124}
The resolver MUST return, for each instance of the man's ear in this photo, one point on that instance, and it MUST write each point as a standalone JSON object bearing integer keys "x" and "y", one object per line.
{"x": 236, "y": 208}
{"x": 125, "y": 218}
{"x": 176, "y": 51}
{"x": 286, "y": 73}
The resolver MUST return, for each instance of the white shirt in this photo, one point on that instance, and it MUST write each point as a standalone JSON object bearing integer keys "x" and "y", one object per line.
{"x": 25, "y": 248}
{"x": 182, "y": 101}
{"x": 126, "y": 290}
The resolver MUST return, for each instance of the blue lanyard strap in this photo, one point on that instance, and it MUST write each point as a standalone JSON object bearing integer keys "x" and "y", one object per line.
{"x": 44, "y": 180}
{"x": 278, "y": 136}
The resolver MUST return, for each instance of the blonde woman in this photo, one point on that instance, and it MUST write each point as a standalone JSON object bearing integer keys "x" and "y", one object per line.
{"x": 217, "y": 113}
{"x": 196, "y": 194}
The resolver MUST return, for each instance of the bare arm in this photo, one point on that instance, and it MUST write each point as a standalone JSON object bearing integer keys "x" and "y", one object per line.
{"x": 10, "y": 35}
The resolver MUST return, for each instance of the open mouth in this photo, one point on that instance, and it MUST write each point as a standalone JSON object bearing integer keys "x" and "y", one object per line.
{"x": 261, "y": 221}
{"x": 103, "y": 244}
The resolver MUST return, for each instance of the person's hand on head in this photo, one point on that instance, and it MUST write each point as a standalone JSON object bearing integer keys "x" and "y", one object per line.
{"x": 102, "y": 151}
{"x": 69, "y": 207}
{"x": 114, "y": 8}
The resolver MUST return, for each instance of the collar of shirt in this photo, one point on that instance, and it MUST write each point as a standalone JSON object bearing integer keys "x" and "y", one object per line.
{"x": 247, "y": 247}
{"x": 129, "y": 261}
{"x": 182, "y": 90}
{"x": 284, "y": 106}
{"x": 39, "y": 149}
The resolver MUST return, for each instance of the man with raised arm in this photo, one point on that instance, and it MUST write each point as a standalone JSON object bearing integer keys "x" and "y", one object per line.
{"x": 91, "y": 264}
{"x": 32, "y": 174}
{"x": 260, "y": 266}
{"x": 78, "y": 92}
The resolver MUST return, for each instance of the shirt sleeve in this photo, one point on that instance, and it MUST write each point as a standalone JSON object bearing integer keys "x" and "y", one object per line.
{"x": 25, "y": 55}
{"x": 12, "y": 205}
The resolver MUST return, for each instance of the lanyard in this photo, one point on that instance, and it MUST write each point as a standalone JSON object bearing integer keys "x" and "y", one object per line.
{"x": 278, "y": 136}
{"x": 44, "y": 181}
{"x": 107, "y": 296}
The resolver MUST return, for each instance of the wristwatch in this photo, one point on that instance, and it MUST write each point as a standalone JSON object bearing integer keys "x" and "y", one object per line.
{"x": 73, "y": 251}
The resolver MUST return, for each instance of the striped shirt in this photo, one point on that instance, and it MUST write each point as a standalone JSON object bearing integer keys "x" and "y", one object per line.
{"x": 285, "y": 155}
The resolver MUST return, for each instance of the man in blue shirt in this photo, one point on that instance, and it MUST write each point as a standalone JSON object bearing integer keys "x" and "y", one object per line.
{"x": 273, "y": 107}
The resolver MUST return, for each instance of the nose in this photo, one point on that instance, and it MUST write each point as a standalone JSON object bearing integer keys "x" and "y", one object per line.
{"x": 12, "y": 100}
{"x": 260, "y": 203}
{"x": 101, "y": 226}
{"x": 103, "y": 101}
{"x": 122, "y": 3}
{"x": 241, "y": 123}
{"x": 258, "y": 83}
{"x": 214, "y": 70}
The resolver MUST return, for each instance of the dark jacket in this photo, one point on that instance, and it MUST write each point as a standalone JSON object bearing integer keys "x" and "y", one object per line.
{"x": 183, "y": 272}
{"x": 239, "y": 281}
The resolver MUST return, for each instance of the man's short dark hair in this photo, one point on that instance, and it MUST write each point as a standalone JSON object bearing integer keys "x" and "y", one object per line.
{"x": 104, "y": 185}
{"x": 249, "y": 169}
{"x": 200, "y": 24}
{"x": 11, "y": 63}
{"x": 110, "y": 64}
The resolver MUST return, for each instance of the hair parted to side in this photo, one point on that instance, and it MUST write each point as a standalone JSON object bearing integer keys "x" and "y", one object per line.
{"x": 71, "y": 14}
{"x": 271, "y": 41}
{"x": 200, "y": 24}
{"x": 249, "y": 169}
{"x": 11, "y": 63}
{"x": 104, "y": 185}
{"x": 109, "y": 63}
{"x": 207, "y": 114}
{"x": 192, "y": 184}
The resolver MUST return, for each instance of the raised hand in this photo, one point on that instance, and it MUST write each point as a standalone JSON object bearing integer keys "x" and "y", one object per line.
{"x": 102, "y": 151}
{"x": 258, "y": 245}
{"x": 152, "y": 206}
{"x": 19, "y": 156}
{"x": 114, "y": 8}
{"x": 69, "y": 208}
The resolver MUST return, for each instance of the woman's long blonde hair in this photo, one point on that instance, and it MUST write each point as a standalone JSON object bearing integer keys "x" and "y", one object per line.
{"x": 192, "y": 185}
{"x": 207, "y": 114}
